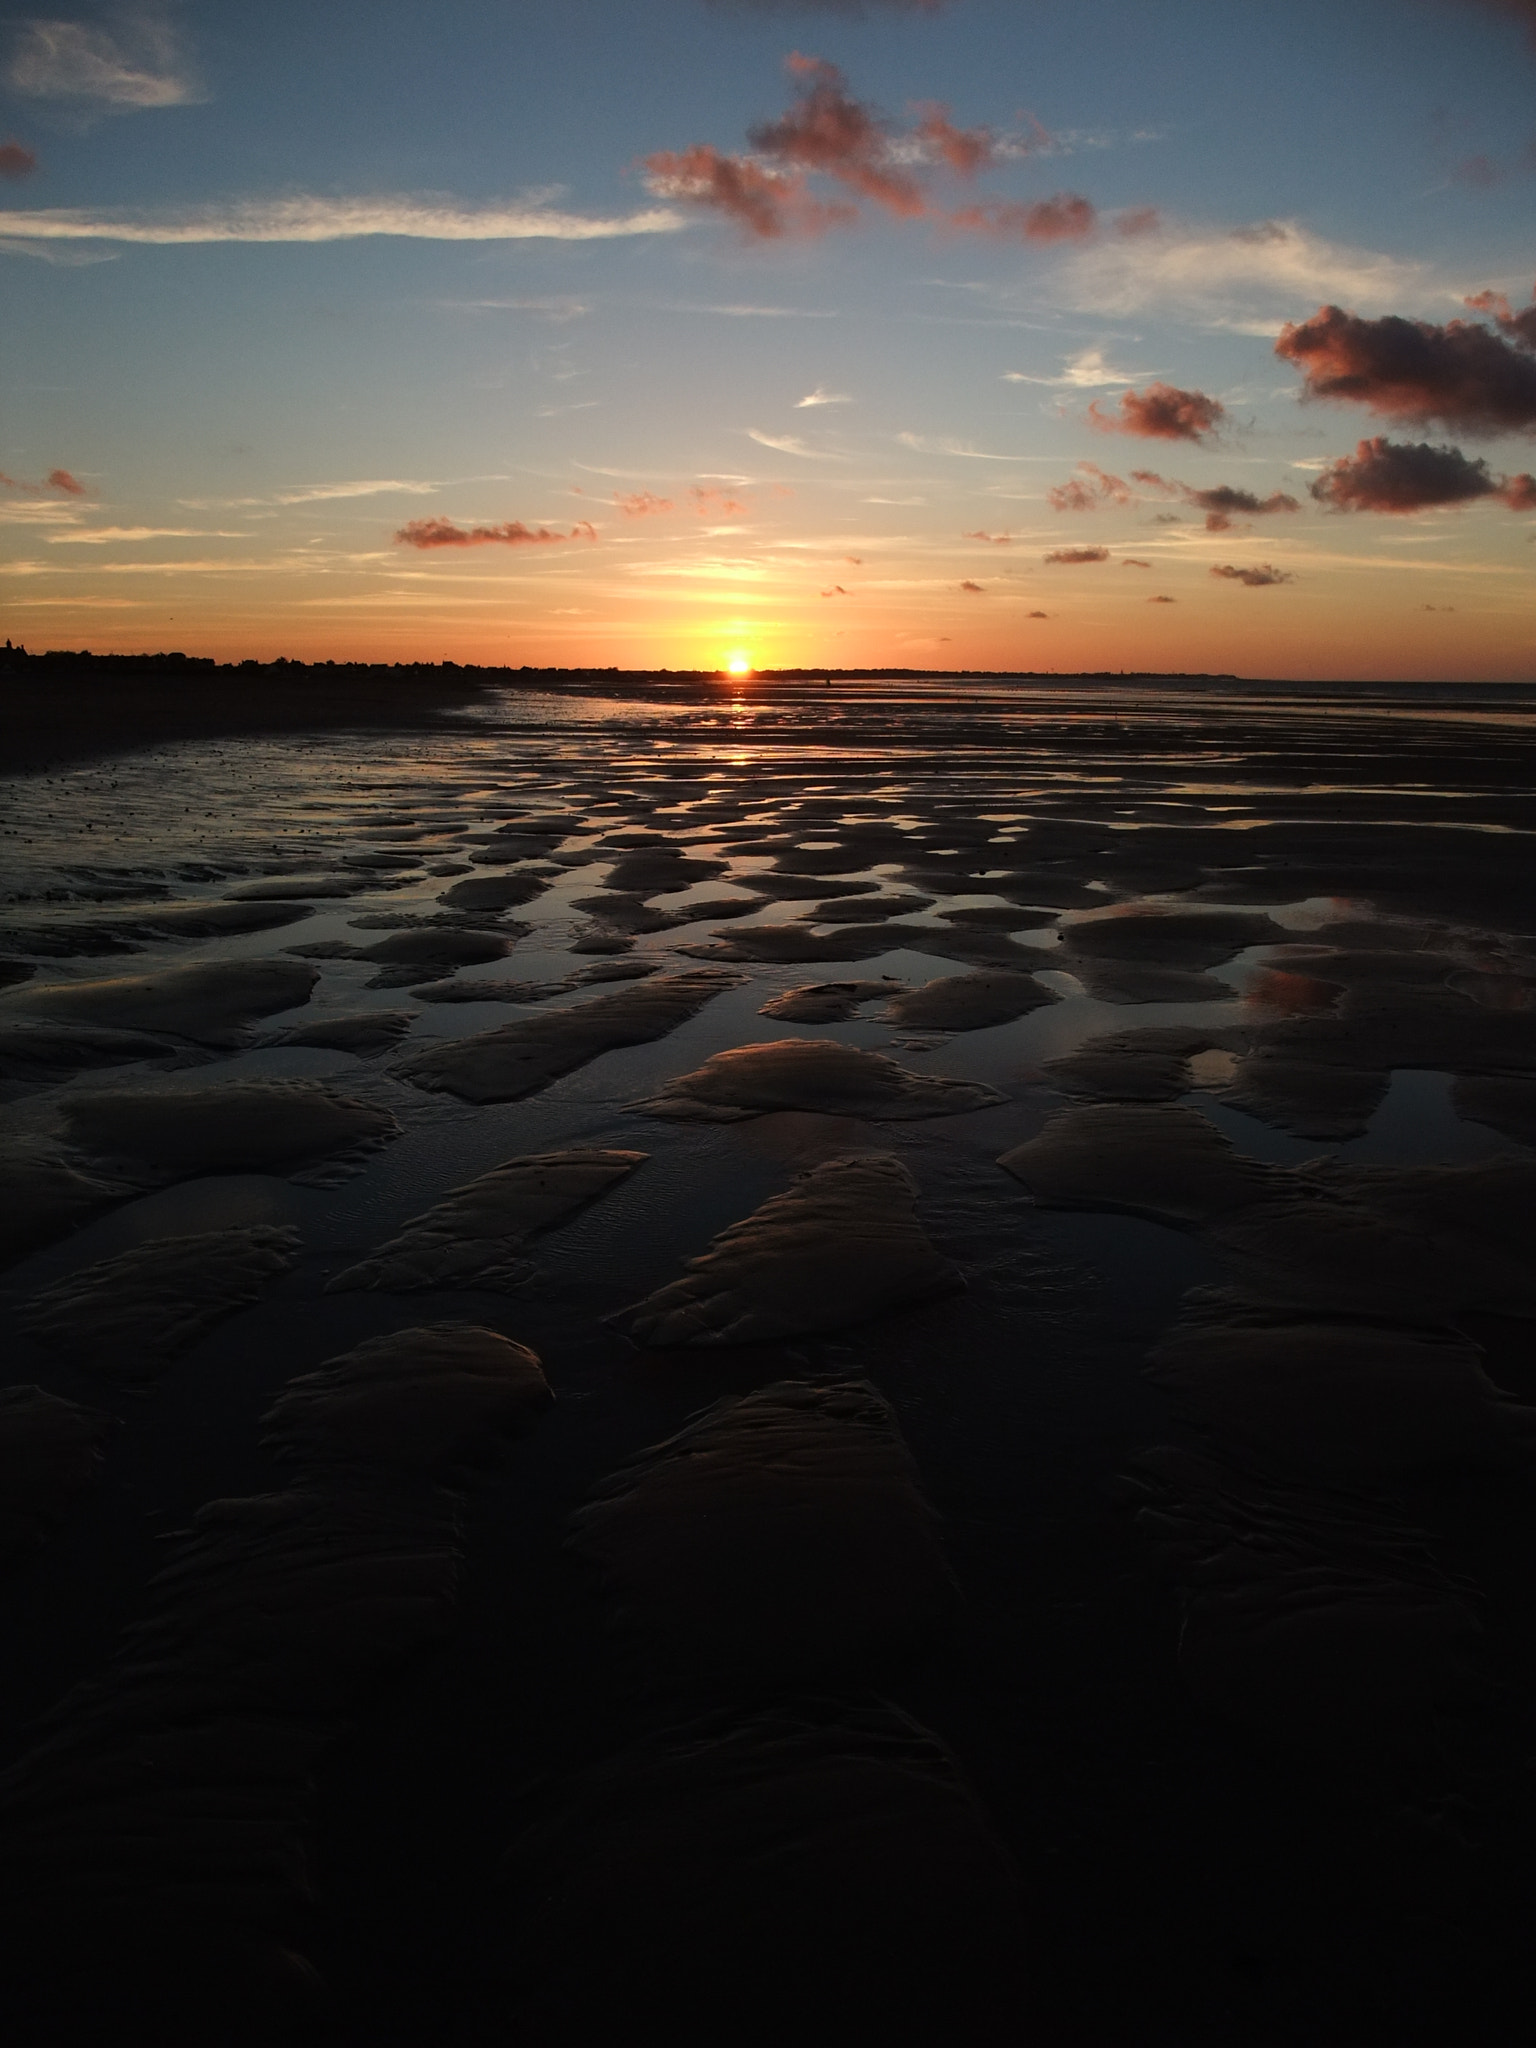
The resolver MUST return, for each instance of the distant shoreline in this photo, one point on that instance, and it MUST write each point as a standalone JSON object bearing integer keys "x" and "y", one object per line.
{"x": 58, "y": 708}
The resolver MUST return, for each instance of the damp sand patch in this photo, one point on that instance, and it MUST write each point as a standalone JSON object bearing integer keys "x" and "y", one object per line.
{"x": 295, "y": 1128}
{"x": 422, "y": 1402}
{"x": 51, "y": 1452}
{"x": 520, "y": 1058}
{"x": 474, "y": 1236}
{"x": 212, "y": 1002}
{"x": 811, "y": 1074}
{"x": 840, "y": 1247}
{"x": 126, "y": 1318}
{"x": 785, "y": 1531}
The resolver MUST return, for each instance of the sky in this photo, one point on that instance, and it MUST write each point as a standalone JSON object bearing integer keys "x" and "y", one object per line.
{"x": 1047, "y": 335}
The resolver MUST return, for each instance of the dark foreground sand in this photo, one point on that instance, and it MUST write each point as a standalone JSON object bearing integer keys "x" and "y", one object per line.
{"x": 848, "y": 1364}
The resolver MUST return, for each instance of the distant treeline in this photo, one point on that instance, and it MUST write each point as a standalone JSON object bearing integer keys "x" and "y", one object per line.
{"x": 57, "y": 665}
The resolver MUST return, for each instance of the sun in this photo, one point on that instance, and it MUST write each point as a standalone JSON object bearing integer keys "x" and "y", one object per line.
{"x": 739, "y": 664}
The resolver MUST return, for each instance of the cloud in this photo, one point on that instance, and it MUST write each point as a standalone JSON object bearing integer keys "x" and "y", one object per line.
{"x": 1220, "y": 503}
{"x": 15, "y": 161}
{"x": 1404, "y": 477}
{"x": 1162, "y": 600}
{"x": 1038, "y": 615}
{"x": 641, "y": 504}
{"x": 371, "y": 487}
{"x": 998, "y": 540}
{"x": 512, "y": 533}
{"x": 56, "y": 480}
{"x": 946, "y": 444}
{"x": 1162, "y": 413}
{"x": 836, "y": 590}
{"x": 710, "y": 502}
{"x": 821, "y": 396}
{"x": 310, "y": 219}
{"x": 1245, "y": 278}
{"x": 1086, "y": 371}
{"x": 66, "y": 60}
{"x": 1521, "y": 326}
{"x": 1463, "y": 373}
{"x": 1130, "y": 562}
{"x": 964, "y": 150}
{"x": 975, "y": 589}
{"x": 1072, "y": 557}
{"x": 827, "y": 133}
{"x": 1065, "y": 217}
{"x": 762, "y": 203}
{"x": 1259, "y": 577}
{"x": 790, "y": 444}
{"x": 1090, "y": 489}
{"x": 558, "y": 309}
{"x": 98, "y": 536}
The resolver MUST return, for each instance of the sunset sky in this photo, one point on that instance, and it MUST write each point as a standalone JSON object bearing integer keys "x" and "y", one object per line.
{"x": 988, "y": 334}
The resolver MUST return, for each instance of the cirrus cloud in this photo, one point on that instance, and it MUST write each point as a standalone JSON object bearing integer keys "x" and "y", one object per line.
{"x": 141, "y": 66}
{"x": 309, "y": 219}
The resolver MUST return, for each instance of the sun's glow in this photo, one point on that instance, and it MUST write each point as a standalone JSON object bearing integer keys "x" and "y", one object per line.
{"x": 739, "y": 664}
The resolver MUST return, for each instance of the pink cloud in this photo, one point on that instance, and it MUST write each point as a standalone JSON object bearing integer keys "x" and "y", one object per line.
{"x": 512, "y": 533}
{"x": 829, "y": 132}
{"x": 964, "y": 150}
{"x": 1090, "y": 489}
{"x": 1405, "y": 477}
{"x": 641, "y": 504}
{"x": 1073, "y": 556}
{"x": 710, "y": 502}
{"x": 56, "y": 480}
{"x": 1139, "y": 220}
{"x": 16, "y": 161}
{"x": 1067, "y": 217}
{"x": 998, "y": 540}
{"x": 1412, "y": 370}
{"x": 762, "y": 203}
{"x": 1220, "y": 503}
{"x": 1161, "y": 413}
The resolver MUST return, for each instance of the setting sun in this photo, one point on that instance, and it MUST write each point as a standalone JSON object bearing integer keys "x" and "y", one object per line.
{"x": 739, "y": 665}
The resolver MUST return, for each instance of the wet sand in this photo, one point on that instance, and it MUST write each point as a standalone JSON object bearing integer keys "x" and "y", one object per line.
{"x": 1022, "y": 1198}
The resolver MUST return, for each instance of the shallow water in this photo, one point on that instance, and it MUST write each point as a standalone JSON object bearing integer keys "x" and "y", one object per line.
{"x": 1150, "y": 1832}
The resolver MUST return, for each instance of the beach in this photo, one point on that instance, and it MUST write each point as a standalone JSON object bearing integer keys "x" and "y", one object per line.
{"x": 953, "y": 1252}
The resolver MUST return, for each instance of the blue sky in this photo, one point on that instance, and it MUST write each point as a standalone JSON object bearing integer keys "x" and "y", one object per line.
{"x": 281, "y": 285}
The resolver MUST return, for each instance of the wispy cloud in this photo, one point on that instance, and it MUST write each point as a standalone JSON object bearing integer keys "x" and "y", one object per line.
{"x": 306, "y": 219}
{"x": 140, "y": 66}
{"x": 821, "y": 396}
{"x": 545, "y": 309}
{"x": 791, "y": 444}
{"x": 945, "y": 444}
{"x": 1245, "y": 278}
{"x": 98, "y": 536}
{"x": 1086, "y": 371}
